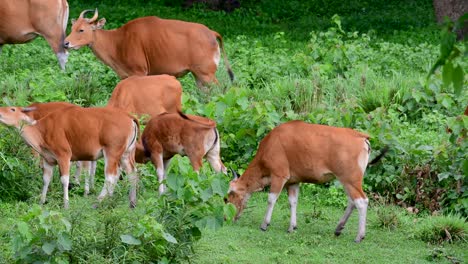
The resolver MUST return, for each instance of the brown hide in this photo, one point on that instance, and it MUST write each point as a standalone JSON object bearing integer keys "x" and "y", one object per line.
{"x": 169, "y": 134}
{"x": 42, "y": 109}
{"x": 83, "y": 133}
{"x": 297, "y": 152}
{"x": 152, "y": 46}
{"x": 23, "y": 20}
{"x": 148, "y": 95}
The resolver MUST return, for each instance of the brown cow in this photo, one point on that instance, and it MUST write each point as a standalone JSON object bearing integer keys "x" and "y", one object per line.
{"x": 77, "y": 133}
{"x": 89, "y": 167}
{"x": 169, "y": 134}
{"x": 148, "y": 95}
{"x": 23, "y": 20}
{"x": 297, "y": 152}
{"x": 152, "y": 46}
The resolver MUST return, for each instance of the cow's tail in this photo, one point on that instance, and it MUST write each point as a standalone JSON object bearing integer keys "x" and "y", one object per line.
{"x": 380, "y": 156}
{"x": 226, "y": 61}
{"x": 209, "y": 124}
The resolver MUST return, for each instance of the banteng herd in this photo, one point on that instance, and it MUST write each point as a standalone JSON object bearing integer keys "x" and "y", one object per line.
{"x": 148, "y": 54}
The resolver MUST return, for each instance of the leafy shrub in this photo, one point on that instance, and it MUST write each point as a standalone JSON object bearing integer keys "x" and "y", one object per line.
{"x": 42, "y": 236}
{"x": 388, "y": 217}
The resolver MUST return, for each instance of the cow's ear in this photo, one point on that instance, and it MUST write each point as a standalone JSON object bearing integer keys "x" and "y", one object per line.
{"x": 73, "y": 21}
{"x": 100, "y": 24}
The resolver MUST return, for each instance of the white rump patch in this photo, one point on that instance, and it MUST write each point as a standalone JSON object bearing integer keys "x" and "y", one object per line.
{"x": 217, "y": 57}
{"x": 364, "y": 157}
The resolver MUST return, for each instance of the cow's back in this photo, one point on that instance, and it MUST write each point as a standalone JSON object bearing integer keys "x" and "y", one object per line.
{"x": 43, "y": 109}
{"x": 309, "y": 148}
{"x": 165, "y": 46}
{"x": 87, "y": 130}
{"x": 148, "y": 95}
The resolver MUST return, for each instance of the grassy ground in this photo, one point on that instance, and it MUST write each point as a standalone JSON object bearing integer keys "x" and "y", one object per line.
{"x": 314, "y": 240}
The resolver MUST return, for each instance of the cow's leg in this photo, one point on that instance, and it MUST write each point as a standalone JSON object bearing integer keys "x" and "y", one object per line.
{"x": 360, "y": 201}
{"x": 77, "y": 176}
{"x": 205, "y": 75}
{"x": 213, "y": 157}
{"x": 86, "y": 165}
{"x": 344, "y": 219}
{"x": 92, "y": 173}
{"x": 111, "y": 171}
{"x": 48, "y": 171}
{"x": 166, "y": 162}
{"x": 128, "y": 164}
{"x": 64, "y": 167}
{"x": 157, "y": 160}
{"x": 277, "y": 183}
{"x": 293, "y": 194}
{"x": 55, "y": 39}
{"x": 197, "y": 161}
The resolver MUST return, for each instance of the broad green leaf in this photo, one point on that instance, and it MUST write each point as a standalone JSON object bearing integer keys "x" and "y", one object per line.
{"x": 216, "y": 185}
{"x": 130, "y": 240}
{"x": 229, "y": 211}
{"x": 465, "y": 167}
{"x": 23, "y": 229}
{"x": 457, "y": 78}
{"x": 48, "y": 248}
{"x": 443, "y": 176}
{"x": 64, "y": 242}
{"x": 169, "y": 238}
{"x": 447, "y": 73}
{"x": 206, "y": 194}
{"x": 243, "y": 102}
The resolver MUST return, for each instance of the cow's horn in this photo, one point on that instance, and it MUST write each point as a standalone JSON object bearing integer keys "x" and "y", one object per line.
{"x": 84, "y": 13}
{"x": 94, "y": 18}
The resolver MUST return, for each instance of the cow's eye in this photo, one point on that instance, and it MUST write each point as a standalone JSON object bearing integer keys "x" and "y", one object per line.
{"x": 12, "y": 109}
{"x": 81, "y": 30}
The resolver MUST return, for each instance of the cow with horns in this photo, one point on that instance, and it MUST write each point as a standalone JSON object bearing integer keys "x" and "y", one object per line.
{"x": 23, "y": 20}
{"x": 152, "y": 46}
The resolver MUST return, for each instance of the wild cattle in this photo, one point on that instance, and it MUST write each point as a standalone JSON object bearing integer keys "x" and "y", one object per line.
{"x": 169, "y": 134}
{"x": 148, "y": 95}
{"x": 23, "y": 20}
{"x": 296, "y": 152}
{"x": 152, "y": 46}
{"x": 89, "y": 167}
{"x": 77, "y": 133}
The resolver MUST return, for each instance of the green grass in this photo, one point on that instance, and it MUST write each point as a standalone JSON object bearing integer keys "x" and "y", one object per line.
{"x": 314, "y": 240}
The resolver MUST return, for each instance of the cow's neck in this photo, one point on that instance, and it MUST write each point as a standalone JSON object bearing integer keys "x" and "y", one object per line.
{"x": 105, "y": 46}
{"x": 32, "y": 136}
{"x": 252, "y": 179}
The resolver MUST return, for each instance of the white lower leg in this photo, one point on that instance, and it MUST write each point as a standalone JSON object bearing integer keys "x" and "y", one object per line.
{"x": 76, "y": 177}
{"x": 272, "y": 197}
{"x": 46, "y": 177}
{"x": 293, "y": 194}
{"x": 161, "y": 177}
{"x": 109, "y": 184}
{"x": 65, "y": 181}
{"x": 92, "y": 173}
{"x": 361, "y": 205}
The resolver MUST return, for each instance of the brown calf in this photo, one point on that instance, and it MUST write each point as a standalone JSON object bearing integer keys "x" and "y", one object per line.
{"x": 152, "y": 46}
{"x": 169, "y": 134}
{"x": 296, "y": 152}
{"x": 23, "y": 20}
{"x": 77, "y": 133}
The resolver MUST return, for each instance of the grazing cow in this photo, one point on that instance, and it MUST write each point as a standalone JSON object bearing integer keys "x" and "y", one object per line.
{"x": 169, "y": 134}
{"x": 23, "y": 20}
{"x": 297, "y": 152}
{"x": 148, "y": 95}
{"x": 43, "y": 109}
{"x": 77, "y": 133}
{"x": 152, "y": 46}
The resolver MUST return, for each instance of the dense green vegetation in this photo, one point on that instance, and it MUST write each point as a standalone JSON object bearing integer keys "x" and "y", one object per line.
{"x": 364, "y": 68}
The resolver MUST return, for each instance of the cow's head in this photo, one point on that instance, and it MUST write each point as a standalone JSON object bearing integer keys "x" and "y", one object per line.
{"x": 15, "y": 116}
{"x": 82, "y": 32}
{"x": 238, "y": 196}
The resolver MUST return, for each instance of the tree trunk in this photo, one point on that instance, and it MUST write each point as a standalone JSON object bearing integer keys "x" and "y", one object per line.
{"x": 452, "y": 9}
